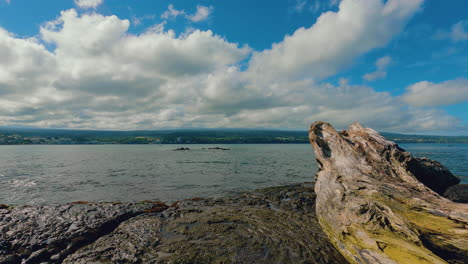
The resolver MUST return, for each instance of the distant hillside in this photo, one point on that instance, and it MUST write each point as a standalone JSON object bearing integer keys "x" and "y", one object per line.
{"x": 403, "y": 138}
{"x": 9, "y": 136}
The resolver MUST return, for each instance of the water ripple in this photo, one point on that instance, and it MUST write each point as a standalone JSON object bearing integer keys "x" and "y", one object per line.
{"x": 57, "y": 174}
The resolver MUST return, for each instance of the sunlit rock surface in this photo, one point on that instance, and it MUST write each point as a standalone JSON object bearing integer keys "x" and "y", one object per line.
{"x": 373, "y": 206}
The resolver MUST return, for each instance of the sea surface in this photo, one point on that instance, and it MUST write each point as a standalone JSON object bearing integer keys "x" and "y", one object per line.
{"x": 43, "y": 174}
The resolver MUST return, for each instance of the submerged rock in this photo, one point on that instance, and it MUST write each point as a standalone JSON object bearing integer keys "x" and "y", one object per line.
{"x": 373, "y": 203}
{"x": 272, "y": 225}
{"x": 182, "y": 148}
{"x": 218, "y": 148}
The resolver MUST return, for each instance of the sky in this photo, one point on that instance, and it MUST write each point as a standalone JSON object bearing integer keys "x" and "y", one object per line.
{"x": 394, "y": 65}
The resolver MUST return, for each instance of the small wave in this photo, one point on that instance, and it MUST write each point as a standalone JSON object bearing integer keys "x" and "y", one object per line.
{"x": 88, "y": 182}
{"x": 22, "y": 183}
{"x": 204, "y": 162}
{"x": 116, "y": 170}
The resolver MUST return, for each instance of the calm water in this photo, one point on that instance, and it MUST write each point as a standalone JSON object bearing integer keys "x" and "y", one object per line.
{"x": 44, "y": 174}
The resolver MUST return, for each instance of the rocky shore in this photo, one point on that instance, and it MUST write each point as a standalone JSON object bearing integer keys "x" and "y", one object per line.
{"x": 273, "y": 225}
{"x": 373, "y": 203}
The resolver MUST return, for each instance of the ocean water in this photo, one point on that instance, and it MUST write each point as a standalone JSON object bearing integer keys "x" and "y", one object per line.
{"x": 33, "y": 174}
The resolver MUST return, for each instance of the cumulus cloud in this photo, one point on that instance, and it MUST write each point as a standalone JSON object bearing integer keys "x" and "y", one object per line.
{"x": 381, "y": 65}
{"x": 437, "y": 94}
{"x": 332, "y": 43}
{"x": 100, "y": 76}
{"x": 23, "y": 63}
{"x": 88, "y": 3}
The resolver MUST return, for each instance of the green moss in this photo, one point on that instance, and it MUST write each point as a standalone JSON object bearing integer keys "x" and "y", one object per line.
{"x": 396, "y": 248}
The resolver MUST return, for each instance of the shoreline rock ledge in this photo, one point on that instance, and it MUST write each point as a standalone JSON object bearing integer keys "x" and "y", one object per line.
{"x": 270, "y": 225}
{"x": 378, "y": 204}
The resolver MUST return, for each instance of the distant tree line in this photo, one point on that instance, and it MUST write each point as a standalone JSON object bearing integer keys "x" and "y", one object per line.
{"x": 214, "y": 136}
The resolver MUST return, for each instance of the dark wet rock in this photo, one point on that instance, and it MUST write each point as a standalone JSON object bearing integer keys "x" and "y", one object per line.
{"x": 457, "y": 193}
{"x": 218, "y": 148}
{"x": 34, "y": 234}
{"x": 178, "y": 149}
{"x": 272, "y": 225}
{"x": 131, "y": 240}
{"x": 373, "y": 206}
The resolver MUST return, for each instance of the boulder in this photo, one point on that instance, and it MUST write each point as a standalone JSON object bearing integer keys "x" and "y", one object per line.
{"x": 457, "y": 193}
{"x": 373, "y": 204}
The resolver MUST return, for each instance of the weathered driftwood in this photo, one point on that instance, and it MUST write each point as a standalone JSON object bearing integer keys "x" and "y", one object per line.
{"x": 373, "y": 207}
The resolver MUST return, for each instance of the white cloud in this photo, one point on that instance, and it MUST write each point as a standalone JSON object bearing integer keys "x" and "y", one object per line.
{"x": 315, "y": 7}
{"x": 8, "y": 1}
{"x": 375, "y": 75}
{"x": 101, "y": 72}
{"x": 460, "y": 31}
{"x": 202, "y": 13}
{"x": 334, "y": 2}
{"x": 437, "y": 94}
{"x": 88, "y": 3}
{"x": 381, "y": 64}
{"x": 100, "y": 76}
{"x": 457, "y": 33}
{"x": 23, "y": 63}
{"x": 138, "y": 20}
{"x": 171, "y": 12}
{"x": 335, "y": 39}
{"x": 299, "y": 6}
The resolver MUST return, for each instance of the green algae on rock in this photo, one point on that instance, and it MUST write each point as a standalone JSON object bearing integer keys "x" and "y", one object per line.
{"x": 373, "y": 205}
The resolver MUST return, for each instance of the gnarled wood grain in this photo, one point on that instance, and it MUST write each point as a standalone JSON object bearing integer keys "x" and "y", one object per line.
{"x": 373, "y": 206}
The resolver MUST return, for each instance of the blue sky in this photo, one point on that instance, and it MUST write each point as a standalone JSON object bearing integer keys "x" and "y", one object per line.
{"x": 398, "y": 66}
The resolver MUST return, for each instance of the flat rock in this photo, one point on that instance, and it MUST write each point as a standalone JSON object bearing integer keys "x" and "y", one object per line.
{"x": 35, "y": 234}
{"x": 375, "y": 202}
{"x": 272, "y": 225}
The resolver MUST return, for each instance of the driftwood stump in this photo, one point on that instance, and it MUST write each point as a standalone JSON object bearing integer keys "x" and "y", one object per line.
{"x": 375, "y": 204}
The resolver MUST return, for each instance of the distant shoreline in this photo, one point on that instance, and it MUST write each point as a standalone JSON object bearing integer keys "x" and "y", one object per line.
{"x": 180, "y": 137}
{"x": 182, "y": 144}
